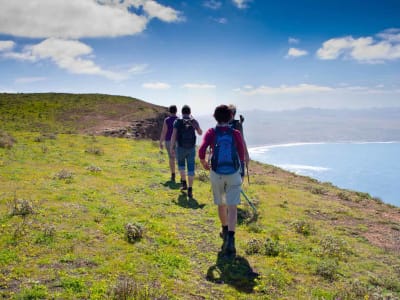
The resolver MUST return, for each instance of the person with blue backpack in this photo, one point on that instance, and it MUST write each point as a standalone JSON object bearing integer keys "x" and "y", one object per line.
{"x": 226, "y": 167}
{"x": 184, "y": 135}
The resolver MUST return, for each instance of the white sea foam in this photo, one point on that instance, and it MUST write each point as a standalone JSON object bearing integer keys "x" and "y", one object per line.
{"x": 303, "y": 168}
{"x": 266, "y": 148}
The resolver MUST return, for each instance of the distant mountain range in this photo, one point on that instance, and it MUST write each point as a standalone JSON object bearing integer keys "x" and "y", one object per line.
{"x": 319, "y": 125}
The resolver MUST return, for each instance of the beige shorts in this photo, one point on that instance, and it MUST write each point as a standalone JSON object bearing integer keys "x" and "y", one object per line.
{"x": 226, "y": 188}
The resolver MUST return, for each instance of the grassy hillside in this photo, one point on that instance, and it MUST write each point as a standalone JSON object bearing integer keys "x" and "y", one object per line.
{"x": 65, "y": 201}
{"x": 72, "y": 113}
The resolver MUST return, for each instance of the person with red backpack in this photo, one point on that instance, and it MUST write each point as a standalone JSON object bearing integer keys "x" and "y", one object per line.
{"x": 226, "y": 171}
{"x": 166, "y": 134}
{"x": 184, "y": 135}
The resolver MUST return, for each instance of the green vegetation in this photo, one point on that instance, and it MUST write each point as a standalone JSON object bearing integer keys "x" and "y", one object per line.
{"x": 78, "y": 225}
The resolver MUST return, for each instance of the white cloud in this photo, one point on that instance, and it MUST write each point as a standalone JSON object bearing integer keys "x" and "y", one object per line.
{"x": 69, "y": 55}
{"x": 212, "y": 4}
{"x": 164, "y": 13}
{"x": 138, "y": 69}
{"x": 74, "y": 19}
{"x": 198, "y": 86}
{"x": 293, "y": 40}
{"x": 364, "y": 49}
{"x": 6, "y": 45}
{"x": 391, "y": 35}
{"x": 285, "y": 89}
{"x": 156, "y": 85}
{"x": 241, "y": 3}
{"x": 29, "y": 79}
{"x": 295, "y": 52}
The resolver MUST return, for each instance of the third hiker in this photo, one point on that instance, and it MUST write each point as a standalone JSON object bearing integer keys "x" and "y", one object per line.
{"x": 227, "y": 169}
{"x": 184, "y": 135}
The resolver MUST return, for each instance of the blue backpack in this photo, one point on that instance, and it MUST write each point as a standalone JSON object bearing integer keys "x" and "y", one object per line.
{"x": 225, "y": 158}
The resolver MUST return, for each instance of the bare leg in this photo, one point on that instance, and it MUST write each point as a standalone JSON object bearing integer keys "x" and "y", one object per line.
{"x": 172, "y": 164}
{"x": 223, "y": 214}
{"x": 232, "y": 217}
{"x": 183, "y": 175}
{"x": 191, "y": 179}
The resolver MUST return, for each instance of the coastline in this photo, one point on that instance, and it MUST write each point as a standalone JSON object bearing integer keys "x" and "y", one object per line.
{"x": 372, "y": 170}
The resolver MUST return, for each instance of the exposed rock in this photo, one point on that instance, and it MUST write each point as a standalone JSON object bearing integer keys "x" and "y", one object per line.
{"x": 139, "y": 129}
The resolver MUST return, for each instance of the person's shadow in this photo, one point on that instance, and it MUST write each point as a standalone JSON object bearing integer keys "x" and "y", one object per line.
{"x": 235, "y": 271}
{"x": 172, "y": 185}
{"x": 186, "y": 202}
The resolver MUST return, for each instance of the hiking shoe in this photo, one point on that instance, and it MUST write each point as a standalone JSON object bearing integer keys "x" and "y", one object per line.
{"x": 184, "y": 185}
{"x": 190, "y": 192}
{"x": 223, "y": 233}
{"x": 230, "y": 246}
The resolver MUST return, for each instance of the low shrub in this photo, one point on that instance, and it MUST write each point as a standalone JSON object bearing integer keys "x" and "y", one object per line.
{"x": 302, "y": 227}
{"x": 64, "y": 175}
{"x": 328, "y": 269}
{"x": 21, "y": 207}
{"x": 334, "y": 247}
{"x": 37, "y": 291}
{"x": 6, "y": 140}
{"x": 94, "y": 169}
{"x": 254, "y": 246}
{"x": 133, "y": 232}
{"x": 127, "y": 288}
{"x": 94, "y": 150}
{"x": 271, "y": 247}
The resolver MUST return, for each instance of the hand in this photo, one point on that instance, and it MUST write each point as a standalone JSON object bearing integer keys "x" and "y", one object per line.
{"x": 161, "y": 146}
{"x": 205, "y": 164}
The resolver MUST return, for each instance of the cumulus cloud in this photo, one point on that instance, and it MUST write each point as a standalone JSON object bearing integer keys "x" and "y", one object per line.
{"x": 295, "y": 52}
{"x": 156, "y": 85}
{"x": 198, "y": 86}
{"x": 6, "y": 45}
{"x": 212, "y": 4}
{"x": 383, "y": 47}
{"x": 241, "y": 3}
{"x": 74, "y": 19}
{"x": 303, "y": 88}
{"x": 70, "y": 55}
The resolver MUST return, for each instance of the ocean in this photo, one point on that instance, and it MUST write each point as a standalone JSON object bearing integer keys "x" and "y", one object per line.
{"x": 372, "y": 167}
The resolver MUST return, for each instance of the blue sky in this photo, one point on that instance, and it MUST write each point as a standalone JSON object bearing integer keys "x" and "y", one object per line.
{"x": 257, "y": 54}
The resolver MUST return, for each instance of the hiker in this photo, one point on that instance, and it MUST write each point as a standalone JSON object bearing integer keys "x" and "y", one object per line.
{"x": 227, "y": 169}
{"x": 165, "y": 137}
{"x": 238, "y": 124}
{"x": 184, "y": 135}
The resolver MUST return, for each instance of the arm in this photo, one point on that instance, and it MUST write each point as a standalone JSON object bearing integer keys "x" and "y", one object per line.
{"x": 203, "y": 148}
{"x": 197, "y": 128}
{"x": 163, "y": 134}
{"x": 173, "y": 141}
{"x": 240, "y": 145}
{"x": 246, "y": 151}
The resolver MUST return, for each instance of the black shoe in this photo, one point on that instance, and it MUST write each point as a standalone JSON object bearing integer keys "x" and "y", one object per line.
{"x": 184, "y": 185}
{"x": 173, "y": 177}
{"x": 224, "y": 232}
{"x": 190, "y": 192}
{"x": 230, "y": 246}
